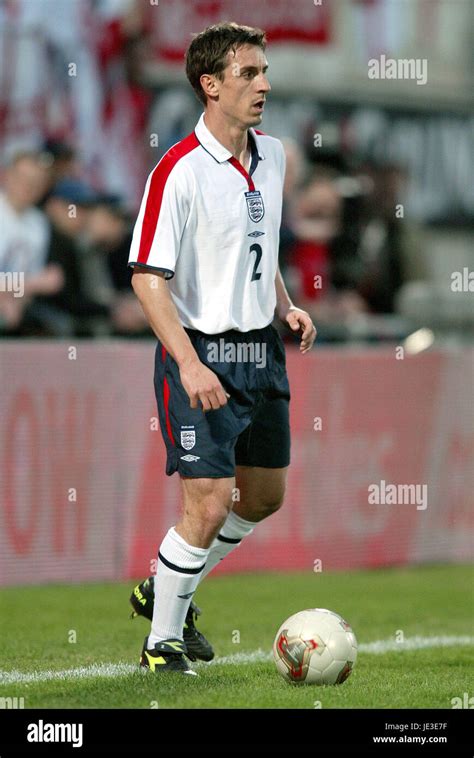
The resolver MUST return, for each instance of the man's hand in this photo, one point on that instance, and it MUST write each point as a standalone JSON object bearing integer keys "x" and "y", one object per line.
{"x": 300, "y": 321}
{"x": 49, "y": 281}
{"x": 11, "y": 309}
{"x": 202, "y": 384}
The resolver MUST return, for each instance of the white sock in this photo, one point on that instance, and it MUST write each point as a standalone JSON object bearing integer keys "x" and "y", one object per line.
{"x": 178, "y": 574}
{"x": 230, "y": 536}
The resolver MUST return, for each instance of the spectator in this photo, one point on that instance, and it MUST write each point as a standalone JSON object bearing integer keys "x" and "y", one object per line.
{"x": 317, "y": 257}
{"x": 294, "y": 173}
{"x": 62, "y": 162}
{"x": 390, "y": 247}
{"x": 109, "y": 235}
{"x": 24, "y": 239}
{"x": 72, "y": 309}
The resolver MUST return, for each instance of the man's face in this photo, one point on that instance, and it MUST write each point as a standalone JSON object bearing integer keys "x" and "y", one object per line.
{"x": 103, "y": 226}
{"x": 242, "y": 92}
{"x": 26, "y": 182}
{"x": 68, "y": 217}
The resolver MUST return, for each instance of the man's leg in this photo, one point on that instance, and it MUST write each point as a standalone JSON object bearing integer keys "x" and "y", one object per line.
{"x": 261, "y": 492}
{"x": 184, "y": 552}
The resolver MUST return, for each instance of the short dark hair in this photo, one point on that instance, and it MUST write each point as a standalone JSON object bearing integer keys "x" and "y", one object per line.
{"x": 207, "y": 52}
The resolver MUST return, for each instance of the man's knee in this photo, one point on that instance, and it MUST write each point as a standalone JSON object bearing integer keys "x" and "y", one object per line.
{"x": 262, "y": 506}
{"x": 208, "y": 500}
{"x": 272, "y": 502}
{"x": 262, "y": 492}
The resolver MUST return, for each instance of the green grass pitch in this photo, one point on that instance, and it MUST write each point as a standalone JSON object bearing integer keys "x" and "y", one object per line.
{"x": 241, "y": 613}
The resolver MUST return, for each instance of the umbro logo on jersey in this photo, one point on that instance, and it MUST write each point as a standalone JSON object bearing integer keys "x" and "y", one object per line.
{"x": 255, "y": 234}
{"x": 190, "y": 458}
{"x": 255, "y": 205}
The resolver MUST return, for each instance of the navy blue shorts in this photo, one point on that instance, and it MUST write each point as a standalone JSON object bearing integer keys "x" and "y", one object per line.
{"x": 252, "y": 429}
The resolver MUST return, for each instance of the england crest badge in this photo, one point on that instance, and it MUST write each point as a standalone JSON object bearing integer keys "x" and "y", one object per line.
{"x": 255, "y": 205}
{"x": 188, "y": 439}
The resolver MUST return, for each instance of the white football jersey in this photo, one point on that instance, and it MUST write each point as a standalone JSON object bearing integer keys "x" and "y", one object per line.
{"x": 214, "y": 230}
{"x": 24, "y": 240}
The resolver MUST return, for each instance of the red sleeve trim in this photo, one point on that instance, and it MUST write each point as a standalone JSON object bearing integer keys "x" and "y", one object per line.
{"x": 155, "y": 193}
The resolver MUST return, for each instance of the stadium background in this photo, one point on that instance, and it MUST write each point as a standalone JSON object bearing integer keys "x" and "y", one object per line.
{"x": 83, "y": 491}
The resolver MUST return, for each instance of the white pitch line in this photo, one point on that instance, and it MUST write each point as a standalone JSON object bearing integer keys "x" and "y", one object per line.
{"x": 102, "y": 670}
{"x": 413, "y": 643}
{"x": 377, "y": 647}
{"x": 114, "y": 670}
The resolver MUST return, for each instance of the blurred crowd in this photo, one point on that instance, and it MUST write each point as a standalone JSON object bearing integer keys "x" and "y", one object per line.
{"x": 345, "y": 251}
{"x": 346, "y": 248}
{"x": 349, "y": 254}
{"x": 70, "y": 244}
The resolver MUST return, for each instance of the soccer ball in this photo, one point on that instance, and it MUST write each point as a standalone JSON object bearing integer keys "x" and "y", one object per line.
{"x": 315, "y": 646}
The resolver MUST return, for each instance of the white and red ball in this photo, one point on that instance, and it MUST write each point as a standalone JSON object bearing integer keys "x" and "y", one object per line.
{"x": 315, "y": 646}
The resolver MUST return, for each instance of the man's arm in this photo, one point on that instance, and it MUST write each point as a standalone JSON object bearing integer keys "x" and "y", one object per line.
{"x": 200, "y": 383}
{"x": 297, "y": 319}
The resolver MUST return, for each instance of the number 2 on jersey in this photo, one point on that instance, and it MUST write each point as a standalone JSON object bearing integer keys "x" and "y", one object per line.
{"x": 257, "y": 249}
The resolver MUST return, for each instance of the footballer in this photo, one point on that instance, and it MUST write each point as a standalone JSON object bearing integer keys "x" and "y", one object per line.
{"x": 205, "y": 270}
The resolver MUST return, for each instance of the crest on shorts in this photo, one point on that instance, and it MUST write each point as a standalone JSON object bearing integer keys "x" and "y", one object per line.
{"x": 255, "y": 205}
{"x": 188, "y": 439}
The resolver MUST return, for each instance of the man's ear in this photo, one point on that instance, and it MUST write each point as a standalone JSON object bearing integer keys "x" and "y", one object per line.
{"x": 209, "y": 85}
